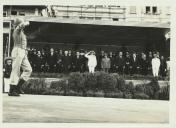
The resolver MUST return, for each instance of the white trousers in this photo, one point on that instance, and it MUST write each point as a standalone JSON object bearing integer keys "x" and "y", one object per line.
{"x": 91, "y": 69}
{"x": 155, "y": 71}
{"x": 20, "y": 60}
{"x": 6, "y": 84}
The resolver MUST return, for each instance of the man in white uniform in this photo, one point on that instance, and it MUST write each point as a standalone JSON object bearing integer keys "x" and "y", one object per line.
{"x": 155, "y": 65}
{"x": 20, "y": 60}
{"x": 92, "y": 61}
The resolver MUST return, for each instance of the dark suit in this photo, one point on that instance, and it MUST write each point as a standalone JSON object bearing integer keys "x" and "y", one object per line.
{"x": 76, "y": 64}
{"x": 99, "y": 59}
{"x": 163, "y": 66}
{"x": 44, "y": 66}
{"x": 120, "y": 62}
{"x": 83, "y": 63}
{"x": 149, "y": 65}
{"x": 134, "y": 65}
{"x": 127, "y": 65}
{"x": 51, "y": 60}
{"x": 59, "y": 64}
{"x": 38, "y": 63}
{"x": 66, "y": 63}
{"x": 144, "y": 66}
{"x": 113, "y": 66}
{"x": 34, "y": 62}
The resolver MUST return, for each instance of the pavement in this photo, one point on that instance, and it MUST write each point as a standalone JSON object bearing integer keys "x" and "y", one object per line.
{"x": 70, "y": 109}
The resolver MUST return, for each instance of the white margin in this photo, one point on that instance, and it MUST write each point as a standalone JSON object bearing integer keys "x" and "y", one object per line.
{"x": 171, "y": 3}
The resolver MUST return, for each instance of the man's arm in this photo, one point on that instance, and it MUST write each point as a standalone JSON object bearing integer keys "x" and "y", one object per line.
{"x": 86, "y": 55}
{"x": 21, "y": 26}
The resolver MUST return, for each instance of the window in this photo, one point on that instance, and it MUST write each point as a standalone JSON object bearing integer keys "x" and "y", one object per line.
{"x": 13, "y": 12}
{"x": 90, "y": 18}
{"x": 132, "y": 9}
{"x": 22, "y": 13}
{"x": 4, "y": 14}
{"x": 151, "y": 10}
{"x": 147, "y": 10}
{"x": 99, "y": 6}
{"x": 6, "y": 24}
{"x": 115, "y": 19}
{"x": 154, "y": 10}
{"x": 97, "y": 18}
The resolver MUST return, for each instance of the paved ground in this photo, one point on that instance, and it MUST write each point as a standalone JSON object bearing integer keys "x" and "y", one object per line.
{"x": 59, "y": 109}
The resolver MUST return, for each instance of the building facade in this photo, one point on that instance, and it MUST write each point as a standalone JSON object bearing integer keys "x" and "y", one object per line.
{"x": 105, "y": 19}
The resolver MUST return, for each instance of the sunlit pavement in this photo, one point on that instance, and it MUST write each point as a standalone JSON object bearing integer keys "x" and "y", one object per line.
{"x": 69, "y": 109}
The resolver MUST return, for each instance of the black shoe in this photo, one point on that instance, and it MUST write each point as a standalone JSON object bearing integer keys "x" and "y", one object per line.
{"x": 19, "y": 90}
{"x": 19, "y": 86}
{"x": 13, "y": 94}
{"x": 13, "y": 91}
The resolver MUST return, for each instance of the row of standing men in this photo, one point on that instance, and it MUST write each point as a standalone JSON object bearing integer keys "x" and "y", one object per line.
{"x": 122, "y": 63}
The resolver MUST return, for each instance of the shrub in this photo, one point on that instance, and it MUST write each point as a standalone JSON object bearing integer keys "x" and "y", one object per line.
{"x": 108, "y": 83}
{"x": 164, "y": 93}
{"x": 90, "y": 82}
{"x": 120, "y": 85}
{"x": 47, "y": 75}
{"x": 128, "y": 95}
{"x": 99, "y": 93}
{"x": 72, "y": 93}
{"x": 140, "y": 95}
{"x": 76, "y": 82}
{"x": 34, "y": 86}
{"x": 90, "y": 93}
{"x": 139, "y": 89}
{"x": 61, "y": 87}
{"x": 99, "y": 84}
{"x": 118, "y": 94}
{"x": 129, "y": 88}
{"x": 101, "y": 80}
{"x": 152, "y": 89}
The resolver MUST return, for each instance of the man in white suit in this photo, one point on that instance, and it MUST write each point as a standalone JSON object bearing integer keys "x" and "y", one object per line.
{"x": 92, "y": 61}
{"x": 155, "y": 65}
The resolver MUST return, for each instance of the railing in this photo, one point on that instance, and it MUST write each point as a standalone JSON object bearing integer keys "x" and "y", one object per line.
{"x": 93, "y": 12}
{"x": 112, "y": 13}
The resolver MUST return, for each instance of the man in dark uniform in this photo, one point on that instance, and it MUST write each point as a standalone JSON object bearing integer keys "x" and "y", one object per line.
{"x": 134, "y": 64}
{"x": 140, "y": 57}
{"x": 66, "y": 62}
{"x": 44, "y": 65}
{"x": 163, "y": 66}
{"x": 112, "y": 59}
{"x": 77, "y": 62}
{"x": 144, "y": 65}
{"x": 120, "y": 63}
{"x": 52, "y": 60}
{"x": 83, "y": 62}
{"x": 38, "y": 61}
{"x": 70, "y": 55}
{"x": 59, "y": 63}
{"x": 150, "y": 57}
{"x": 127, "y": 64}
{"x": 33, "y": 59}
{"x": 99, "y": 59}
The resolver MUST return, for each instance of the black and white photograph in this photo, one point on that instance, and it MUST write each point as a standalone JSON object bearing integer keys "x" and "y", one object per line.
{"x": 86, "y": 64}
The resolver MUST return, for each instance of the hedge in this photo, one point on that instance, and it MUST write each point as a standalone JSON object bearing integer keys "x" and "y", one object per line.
{"x": 127, "y": 77}
{"x": 99, "y": 84}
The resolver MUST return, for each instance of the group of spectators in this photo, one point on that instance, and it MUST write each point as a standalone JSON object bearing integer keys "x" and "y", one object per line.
{"x": 59, "y": 61}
